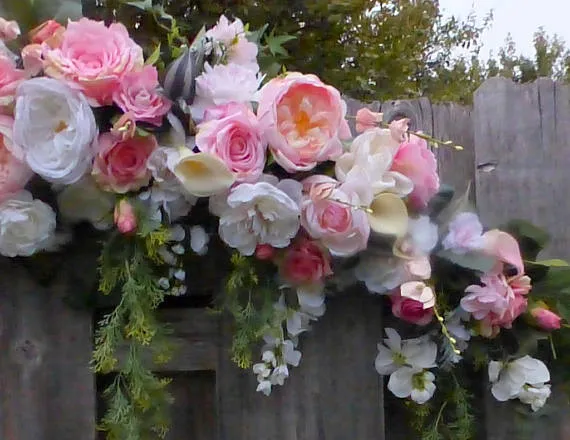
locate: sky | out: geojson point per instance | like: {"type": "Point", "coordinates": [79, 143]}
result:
{"type": "Point", "coordinates": [519, 17]}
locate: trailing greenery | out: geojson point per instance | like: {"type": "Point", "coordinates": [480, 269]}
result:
{"type": "Point", "coordinates": [137, 400]}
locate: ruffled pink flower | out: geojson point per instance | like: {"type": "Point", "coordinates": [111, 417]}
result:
{"type": "Point", "coordinates": [138, 95]}
{"type": "Point", "coordinates": [410, 310]}
{"type": "Point", "coordinates": [14, 174]}
{"type": "Point", "coordinates": [9, 30]}
{"type": "Point", "coordinates": [303, 121]}
{"type": "Point", "coordinates": [49, 32]}
{"type": "Point", "coordinates": [121, 165]}
{"type": "Point", "coordinates": [94, 58]}
{"type": "Point", "coordinates": [366, 119]}
{"type": "Point", "coordinates": [305, 262]}
{"type": "Point", "coordinates": [32, 59]}
{"type": "Point", "coordinates": [546, 319]}
{"type": "Point", "coordinates": [465, 234]}
{"type": "Point", "coordinates": [341, 228]}
{"type": "Point", "coordinates": [415, 161]}
{"type": "Point", "coordinates": [10, 77]}
{"type": "Point", "coordinates": [232, 133]}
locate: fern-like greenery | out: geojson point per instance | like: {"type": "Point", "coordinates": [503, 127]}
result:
{"type": "Point", "coordinates": [137, 400]}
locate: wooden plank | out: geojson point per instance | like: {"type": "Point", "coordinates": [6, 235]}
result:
{"type": "Point", "coordinates": [194, 409]}
{"type": "Point", "coordinates": [524, 129]}
{"type": "Point", "coordinates": [47, 387]}
{"type": "Point", "coordinates": [335, 394]}
{"type": "Point", "coordinates": [195, 338]}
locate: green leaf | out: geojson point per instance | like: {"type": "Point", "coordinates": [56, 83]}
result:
{"type": "Point", "coordinates": [456, 206]}
{"type": "Point", "coordinates": [477, 262]}
{"type": "Point", "coordinates": [255, 36]}
{"type": "Point", "coordinates": [154, 56]}
{"type": "Point", "coordinates": [145, 5]}
{"type": "Point", "coordinates": [549, 263]}
{"type": "Point", "coordinates": [531, 238]}
{"type": "Point", "coordinates": [275, 44]}
{"type": "Point", "coordinates": [161, 13]}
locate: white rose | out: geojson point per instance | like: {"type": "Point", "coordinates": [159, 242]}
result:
{"type": "Point", "coordinates": [54, 130]}
{"type": "Point", "coordinates": [26, 225]}
{"type": "Point", "coordinates": [222, 84]}
{"type": "Point", "coordinates": [259, 213]}
{"type": "Point", "coordinates": [372, 154]}
{"type": "Point", "coordinates": [84, 201]}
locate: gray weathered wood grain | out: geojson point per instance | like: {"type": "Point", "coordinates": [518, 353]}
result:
{"type": "Point", "coordinates": [46, 387]}
{"type": "Point", "coordinates": [335, 394]}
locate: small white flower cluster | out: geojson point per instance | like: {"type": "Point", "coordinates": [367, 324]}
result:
{"type": "Point", "coordinates": [277, 355]}
{"type": "Point", "coordinates": [407, 362]}
{"type": "Point", "coordinates": [524, 379]}
{"type": "Point", "coordinates": [171, 254]}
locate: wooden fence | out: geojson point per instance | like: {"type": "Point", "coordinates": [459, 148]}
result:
{"type": "Point", "coordinates": [47, 391]}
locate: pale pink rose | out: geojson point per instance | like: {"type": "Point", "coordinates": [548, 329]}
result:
{"type": "Point", "coordinates": [499, 301]}
{"type": "Point", "coordinates": [9, 30]}
{"type": "Point", "coordinates": [125, 217]}
{"type": "Point", "coordinates": [303, 120]}
{"type": "Point", "coordinates": [138, 95]}
{"type": "Point", "coordinates": [32, 59]}
{"type": "Point", "coordinates": [343, 229]}
{"type": "Point", "coordinates": [366, 119]}
{"type": "Point", "coordinates": [419, 267]}
{"type": "Point", "coordinates": [14, 174]}
{"type": "Point", "coordinates": [10, 78]}
{"type": "Point", "coordinates": [465, 234]}
{"type": "Point", "coordinates": [410, 310]}
{"type": "Point", "coordinates": [546, 319]}
{"type": "Point", "coordinates": [48, 32]}
{"type": "Point", "coordinates": [94, 58]}
{"type": "Point", "coordinates": [399, 128]}
{"type": "Point", "coordinates": [121, 165]}
{"type": "Point", "coordinates": [415, 161]}
{"type": "Point", "coordinates": [264, 252]}
{"type": "Point", "coordinates": [236, 47]}
{"type": "Point", "coordinates": [232, 133]}
{"type": "Point", "coordinates": [305, 262]}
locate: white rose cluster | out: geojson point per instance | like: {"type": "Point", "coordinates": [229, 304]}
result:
{"type": "Point", "coordinates": [26, 226]}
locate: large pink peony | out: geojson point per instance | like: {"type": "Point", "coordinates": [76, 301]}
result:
{"type": "Point", "coordinates": [121, 165]}
{"type": "Point", "coordinates": [138, 95]}
{"type": "Point", "coordinates": [303, 120]}
{"type": "Point", "coordinates": [328, 214]}
{"type": "Point", "coordinates": [415, 161]}
{"type": "Point", "coordinates": [232, 133]}
{"type": "Point", "coordinates": [94, 58]}
{"type": "Point", "coordinates": [10, 77]}
{"type": "Point", "coordinates": [14, 174]}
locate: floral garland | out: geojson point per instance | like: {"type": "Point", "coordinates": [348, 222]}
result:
{"type": "Point", "coordinates": [304, 208]}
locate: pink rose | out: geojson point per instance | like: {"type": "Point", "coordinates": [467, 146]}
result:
{"type": "Point", "coordinates": [415, 161]}
{"type": "Point", "coordinates": [14, 174]}
{"type": "Point", "coordinates": [303, 121]}
{"type": "Point", "coordinates": [125, 217]}
{"type": "Point", "coordinates": [138, 96]}
{"type": "Point", "coordinates": [499, 301]}
{"type": "Point", "coordinates": [232, 133]}
{"type": "Point", "coordinates": [10, 77]}
{"type": "Point", "coordinates": [121, 165]}
{"type": "Point", "coordinates": [546, 319]}
{"type": "Point", "coordinates": [410, 310]}
{"type": "Point", "coordinates": [465, 234]}
{"type": "Point", "coordinates": [366, 119]}
{"type": "Point", "coordinates": [49, 32]}
{"type": "Point", "coordinates": [305, 262]}
{"type": "Point", "coordinates": [341, 228]}
{"type": "Point", "coordinates": [9, 30]}
{"type": "Point", "coordinates": [94, 58]}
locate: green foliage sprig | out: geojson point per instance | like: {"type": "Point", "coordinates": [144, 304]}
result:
{"type": "Point", "coordinates": [137, 400]}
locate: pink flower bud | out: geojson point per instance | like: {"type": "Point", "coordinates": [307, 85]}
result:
{"type": "Point", "coordinates": [125, 217]}
{"type": "Point", "coordinates": [546, 319]}
{"type": "Point", "coordinates": [264, 252]}
{"type": "Point", "coordinates": [48, 32]}
{"type": "Point", "coordinates": [9, 30]}
{"type": "Point", "coordinates": [367, 119]}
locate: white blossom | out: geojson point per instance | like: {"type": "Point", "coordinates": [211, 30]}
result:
{"type": "Point", "coordinates": [394, 353]}
{"type": "Point", "coordinates": [415, 383]}
{"type": "Point", "coordinates": [465, 234]}
{"type": "Point", "coordinates": [535, 396]}
{"type": "Point", "coordinates": [199, 240]}
{"type": "Point", "coordinates": [26, 225]}
{"type": "Point", "coordinates": [54, 130]}
{"type": "Point", "coordinates": [509, 379]}
{"type": "Point", "coordinates": [259, 213]}
{"type": "Point", "coordinates": [264, 387]}
{"type": "Point", "coordinates": [422, 234]}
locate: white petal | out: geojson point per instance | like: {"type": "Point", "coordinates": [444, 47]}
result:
{"type": "Point", "coordinates": [199, 240]}
{"type": "Point", "coordinates": [535, 370]}
{"type": "Point", "coordinates": [394, 341]}
{"type": "Point", "coordinates": [494, 370]}
{"type": "Point", "coordinates": [420, 353]}
{"type": "Point", "coordinates": [400, 382]}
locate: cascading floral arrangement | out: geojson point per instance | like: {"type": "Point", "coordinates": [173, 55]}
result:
{"type": "Point", "coordinates": [269, 168]}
